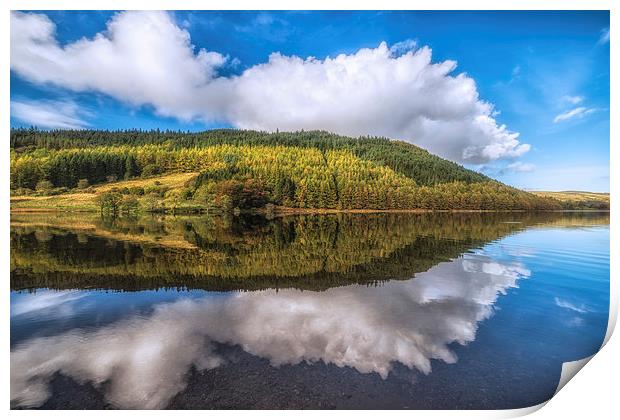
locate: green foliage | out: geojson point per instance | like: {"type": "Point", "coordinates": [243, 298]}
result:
{"type": "Point", "coordinates": [129, 206]}
{"type": "Point", "coordinates": [44, 186]}
{"type": "Point", "coordinates": [248, 169]}
{"type": "Point", "coordinates": [26, 172]}
{"type": "Point", "coordinates": [156, 189]}
{"type": "Point", "coordinates": [149, 170]}
{"type": "Point", "coordinates": [131, 168]}
{"type": "Point", "coordinates": [248, 194]}
{"type": "Point", "coordinates": [23, 191]}
{"type": "Point", "coordinates": [110, 203]}
{"type": "Point", "coordinates": [83, 183]}
{"type": "Point", "coordinates": [150, 202]}
{"type": "Point", "coordinates": [402, 157]}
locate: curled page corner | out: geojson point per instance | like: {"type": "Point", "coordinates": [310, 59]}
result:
{"type": "Point", "coordinates": [613, 315]}
{"type": "Point", "coordinates": [570, 369]}
{"type": "Point", "coordinates": [520, 412]}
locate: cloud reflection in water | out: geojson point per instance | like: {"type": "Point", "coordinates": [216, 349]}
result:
{"type": "Point", "coordinates": [145, 358]}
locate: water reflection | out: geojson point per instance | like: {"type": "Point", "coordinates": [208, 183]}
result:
{"type": "Point", "coordinates": [370, 293]}
{"type": "Point", "coordinates": [307, 252]}
{"type": "Point", "coordinates": [46, 303]}
{"type": "Point", "coordinates": [144, 359]}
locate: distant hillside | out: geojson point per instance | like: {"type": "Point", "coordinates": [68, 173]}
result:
{"type": "Point", "coordinates": [239, 169]}
{"type": "Point", "coordinates": [404, 158]}
{"type": "Point", "coordinates": [578, 199]}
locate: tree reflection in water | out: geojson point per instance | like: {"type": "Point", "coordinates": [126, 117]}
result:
{"type": "Point", "coordinates": [282, 304]}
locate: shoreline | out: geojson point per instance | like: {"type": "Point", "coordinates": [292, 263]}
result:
{"type": "Point", "coordinates": [292, 211]}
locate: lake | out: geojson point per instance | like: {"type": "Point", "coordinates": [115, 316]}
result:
{"type": "Point", "coordinates": [418, 311]}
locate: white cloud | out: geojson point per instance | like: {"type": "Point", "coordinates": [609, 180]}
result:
{"type": "Point", "coordinates": [267, 26]}
{"type": "Point", "coordinates": [143, 360]}
{"type": "Point", "coordinates": [575, 322]}
{"type": "Point", "coordinates": [403, 47]}
{"type": "Point", "coordinates": [144, 58]}
{"type": "Point", "coordinates": [504, 168]}
{"type": "Point", "coordinates": [515, 75]}
{"type": "Point", "coordinates": [567, 305]}
{"type": "Point", "coordinates": [520, 167]}
{"type": "Point", "coordinates": [604, 38]}
{"type": "Point", "coordinates": [48, 114]}
{"type": "Point", "coordinates": [264, 19]}
{"type": "Point", "coordinates": [578, 112]}
{"type": "Point", "coordinates": [573, 99]}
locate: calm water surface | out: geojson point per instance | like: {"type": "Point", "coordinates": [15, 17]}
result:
{"type": "Point", "coordinates": [339, 311]}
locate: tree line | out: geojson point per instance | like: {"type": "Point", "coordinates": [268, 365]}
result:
{"type": "Point", "coordinates": [404, 158]}
{"type": "Point", "coordinates": [249, 176]}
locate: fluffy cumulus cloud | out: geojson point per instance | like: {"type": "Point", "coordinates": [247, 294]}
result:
{"type": "Point", "coordinates": [142, 58]}
{"type": "Point", "coordinates": [143, 360]}
{"type": "Point", "coordinates": [145, 58]}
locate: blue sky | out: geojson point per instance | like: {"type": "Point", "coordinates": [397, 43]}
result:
{"type": "Point", "coordinates": [544, 75]}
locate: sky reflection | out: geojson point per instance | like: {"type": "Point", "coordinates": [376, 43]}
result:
{"type": "Point", "coordinates": [145, 356]}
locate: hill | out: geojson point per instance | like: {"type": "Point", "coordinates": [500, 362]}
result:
{"type": "Point", "coordinates": [402, 157]}
{"type": "Point", "coordinates": [248, 169]}
{"type": "Point", "coordinates": [578, 199]}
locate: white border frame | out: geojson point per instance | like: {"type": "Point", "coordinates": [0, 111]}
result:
{"type": "Point", "coordinates": [595, 386]}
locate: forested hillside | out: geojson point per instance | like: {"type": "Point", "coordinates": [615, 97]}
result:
{"type": "Point", "coordinates": [248, 169]}
{"type": "Point", "coordinates": [403, 158]}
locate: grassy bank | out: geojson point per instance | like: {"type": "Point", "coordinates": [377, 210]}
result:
{"type": "Point", "coordinates": [578, 199]}
{"type": "Point", "coordinates": [88, 199]}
